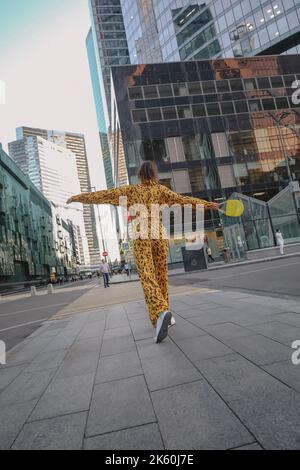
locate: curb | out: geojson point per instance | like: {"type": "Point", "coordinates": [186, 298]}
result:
{"type": "Point", "coordinates": [226, 266]}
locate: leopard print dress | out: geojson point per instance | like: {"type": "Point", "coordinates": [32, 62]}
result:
{"type": "Point", "coordinates": [151, 252]}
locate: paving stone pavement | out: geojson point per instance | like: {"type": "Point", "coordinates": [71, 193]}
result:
{"type": "Point", "coordinates": [223, 379]}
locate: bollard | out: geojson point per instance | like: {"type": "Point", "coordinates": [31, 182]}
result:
{"type": "Point", "coordinates": [50, 289]}
{"type": "Point", "coordinates": [33, 291]}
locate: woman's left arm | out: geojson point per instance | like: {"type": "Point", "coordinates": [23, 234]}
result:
{"type": "Point", "coordinates": [170, 197]}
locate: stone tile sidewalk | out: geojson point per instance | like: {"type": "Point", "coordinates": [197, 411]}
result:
{"type": "Point", "coordinates": [222, 380]}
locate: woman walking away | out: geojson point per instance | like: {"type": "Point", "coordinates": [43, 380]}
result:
{"type": "Point", "coordinates": [280, 241]}
{"type": "Point", "coordinates": [151, 254]}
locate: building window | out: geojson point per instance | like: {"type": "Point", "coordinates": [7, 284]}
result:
{"type": "Point", "coordinates": [236, 84]}
{"type": "Point", "coordinates": [169, 113]}
{"type": "Point", "coordinates": [135, 93]}
{"type": "Point", "coordinates": [184, 112]}
{"type": "Point", "coordinates": [250, 84]}
{"type": "Point", "coordinates": [213, 109]}
{"type": "Point", "coordinates": [150, 91]}
{"type": "Point", "coordinates": [165, 90]}
{"type": "Point", "coordinates": [227, 108]}
{"type": "Point", "coordinates": [139, 115]}
{"type": "Point", "coordinates": [195, 88]}
{"type": "Point", "coordinates": [154, 114]}
{"type": "Point", "coordinates": [179, 89]}
{"type": "Point", "coordinates": [254, 106]}
{"type": "Point", "coordinates": [282, 103]}
{"type": "Point", "coordinates": [209, 87]}
{"type": "Point", "coordinates": [222, 86]}
{"type": "Point", "coordinates": [241, 107]}
{"type": "Point", "coordinates": [154, 150]}
{"type": "Point", "coordinates": [263, 83]}
{"type": "Point", "coordinates": [220, 146]}
{"type": "Point", "coordinates": [277, 82]}
{"type": "Point", "coordinates": [289, 80]}
{"type": "Point", "coordinates": [199, 110]}
{"type": "Point", "coordinates": [268, 104]}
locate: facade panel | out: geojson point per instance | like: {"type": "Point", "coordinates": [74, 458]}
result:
{"type": "Point", "coordinates": [213, 136]}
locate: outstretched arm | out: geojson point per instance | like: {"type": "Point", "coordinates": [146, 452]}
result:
{"type": "Point", "coordinates": [170, 197]}
{"type": "Point", "coordinates": [107, 196]}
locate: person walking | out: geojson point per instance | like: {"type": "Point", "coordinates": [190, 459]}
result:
{"type": "Point", "coordinates": [209, 254]}
{"type": "Point", "coordinates": [104, 270]}
{"type": "Point", "coordinates": [280, 241]}
{"type": "Point", "coordinates": [151, 253]}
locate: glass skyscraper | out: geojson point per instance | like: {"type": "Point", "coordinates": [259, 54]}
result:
{"type": "Point", "coordinates": [216, 128]}
{"type": "Point", "coordinates": [189, 30]}
{"type": "Point", "coordinates": [99, 99]}
{"type": "Point", "coordinates": [75, 143]}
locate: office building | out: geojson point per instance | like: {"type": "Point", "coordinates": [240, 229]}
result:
{"type": "Point", "coordinates": [215, 128]}
{"type": "Point", "coordinates": [53, 170]}
{"type": "Point", "coordinates": [29, 245]}
{"type": "Point", "coordinates": [75, 143]}
{"type": "Point", "coordinates": [174, 30]}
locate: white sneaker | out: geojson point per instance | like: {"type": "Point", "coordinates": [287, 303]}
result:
{"type": "Point", "coordinates": [173, 322]}
{"type": "Point", "coordinates": [162, 325]}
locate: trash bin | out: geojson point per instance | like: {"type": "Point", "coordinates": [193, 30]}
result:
{"type": "Point", "coordinates": [194, 260]}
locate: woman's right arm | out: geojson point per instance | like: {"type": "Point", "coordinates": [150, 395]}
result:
{"type": "Point", "coordinates": [107, 196]}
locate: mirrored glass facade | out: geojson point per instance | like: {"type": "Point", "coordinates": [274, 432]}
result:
{"type": "Point", "coordinates": [193, 29]}
{"type": "Point", "coordinates": [214, 127]}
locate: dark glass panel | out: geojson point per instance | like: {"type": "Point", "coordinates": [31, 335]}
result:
{"type": "Point", "coordinates": [213, 109]}
{"type": "Point", "coordinates": [179, 89]}
{"type": "Point", "coordinates": [194, 88]}
{"type": "Point", "coordinates": [150, 91]}
{"type": "Point", "coordinates": [199, 110]}
{"type": "Point", "coordinates": [282, 103]}
{"type": "Point", "coordinates": [227, 108]}
{"type": "Point", "coordinates": [263, 83]}
{"type": "Point", "coordinates": [236, 84]}
{"type": "Point", "coordinates": [169, 113]}
{"type": "Point", "coordinates": [222, 86]}
{"type": "Point", "coordinates": [268, 104]}
{"type": "Point", "coordinates": [209, 87]}
{"type": "Point", "coordinates": [184, 112]}
{"type": "Point", "coordinates": [165, 90]}
{"type": "Point", "coordinates": [250, 84]}
{"type": "Point", "coordinates": [135, 93]}
{"type": "Point", "coordinates": [139, 115]}
{"type": "Point", "coordinates": [154, 114]}
{"type": "Point", "coordinates": [277, 82]}
{"type": "Point", "coordinates": [254, 105]}
{"type": "Point", "coordinates": [241, 107]}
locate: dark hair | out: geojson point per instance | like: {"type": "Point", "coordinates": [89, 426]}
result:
{"type": "Point", "coordinates": [148, 171]}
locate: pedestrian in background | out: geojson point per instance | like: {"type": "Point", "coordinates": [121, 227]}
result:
{"type": "Point", "coordinates": [104, 270]}
{"type": "Point", "coordinates": [280, 241]}
{"type": "Point", "coordinates": [209, 254]}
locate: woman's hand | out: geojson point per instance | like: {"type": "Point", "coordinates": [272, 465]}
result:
{"type": "Point", "coordinates": [215, 206]}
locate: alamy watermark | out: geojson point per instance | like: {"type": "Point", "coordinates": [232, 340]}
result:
{"type": "Point", "coordinates": [2, 92]}
{"type": "Point", "coordinates": [296, 354]}
{"type": "Point", "coordinates": [2, 353]}
{"type": "Point", "coordinates": [296, 94]}
{"type": "Point", "coordinates": [155, 221]}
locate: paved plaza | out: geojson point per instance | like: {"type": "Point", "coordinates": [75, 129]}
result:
{"type": "Point", "coordinates": [223, 379]}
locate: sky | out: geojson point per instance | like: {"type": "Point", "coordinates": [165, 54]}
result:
{"type": "Point", "coordinates": [44, 65]}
